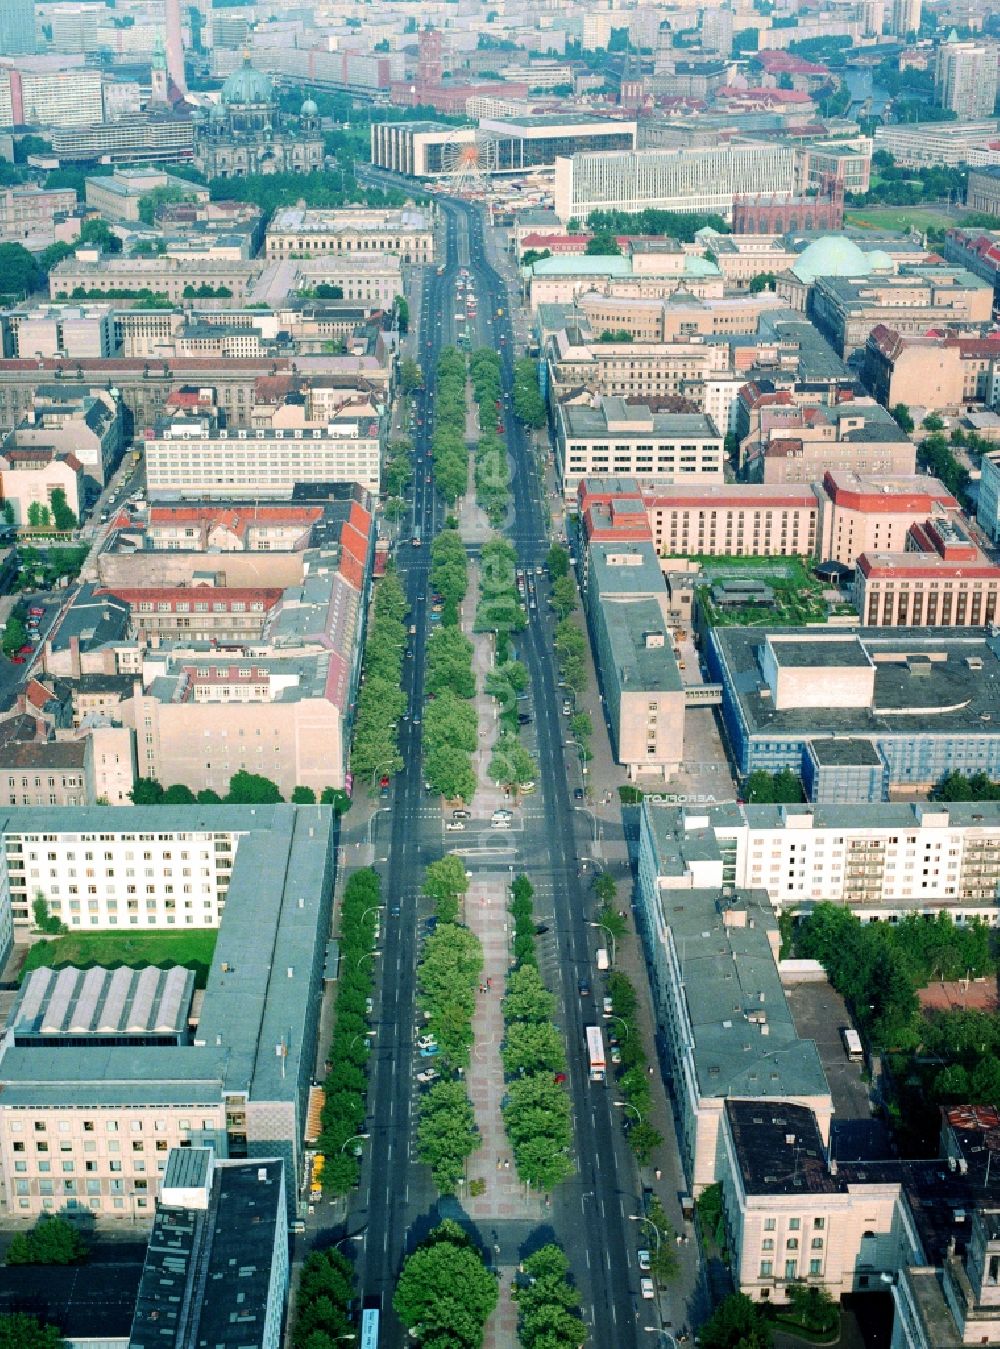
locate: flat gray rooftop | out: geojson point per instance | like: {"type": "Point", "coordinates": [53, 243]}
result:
{"type": "Point", "coordinates": [957, 691]}
{"type": "Point", "coordinates": [845, 752]}
{"type": "Point", "coordinates": [846, 652]}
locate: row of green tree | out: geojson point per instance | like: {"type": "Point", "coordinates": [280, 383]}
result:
{"type": "Point", "coordinates": [445, 1294]}
{"type": "Point", "coordinates": [956, 787]}
{"type": "Point", "coordinates": [548, 1304]}
{"type": "Point", "coordinates": [501, 612]}
{"type": "Point", "coordinates": [345, 1088]}
{"type": "Point", "coordinates": [448, 448]}
{"type": "Point", "coordinates": [570, 643]}
{"type": "Point", "coordinates": [398, 473]}
{"type": "Point", "coordinates": [529, 406]}
{"type": "Point", "coordinates": [680, 225]}
{"type": "Point", "coordinates": [633, 1070]}
{"type": "Point", "coordinates": [272, 191]}
{"type": "Point", "coordinates": [449, 574]}
{"type": "Point", "coordinates": [935, 455]}
{"type": "Point", "coordinates": [323, 1301]}
{"type": "Point", "coordinates": [381, 701]}
{"type": "Point", "coordinates": [537, 1113]}
{"type": "Point", "coordinates": [57, 515]}
{"type": "Point", "coordinates": [245, 789]}
{"type": "Point", "coordinates": [447, 975]}
{"type": "Point", "coordinates": [499, 609]}
{"type": "Point", "coordinates": [492, 468]}
{"type": "Point", "coordinates": [781, 788]}
{"type": "Point", "coordinates": [450, 723]}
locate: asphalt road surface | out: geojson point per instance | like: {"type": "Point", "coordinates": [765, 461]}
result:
{"type": "Point", "coordinates": [396, 1202]}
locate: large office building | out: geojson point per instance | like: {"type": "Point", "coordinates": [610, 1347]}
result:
{"type": "Point", "coordinates": [418, 149]}
{"type": "Point", "coordinates": [940, 577]}
{"type": "Point", "coordinates": [175, 278]}
{"type": "Point", "coordinates": [193, 457]}
{"type": "Point", "coordinates": [17, 28]}
{"type": "Point", "coordinates": [616, 438]}
{"type": "Point", "coordinates": [150, 138]}
{"type": "Point", "coordinates": [881, 861]}
{"type": "Point", "coordinates": [56, 98]}
{"type": "Point", "coordinates": [105, 1071]}
{"type": "Point", "coordinates": [521, 144]}
{"type": "Point", "coordinates": [861, 716]}
{"type": "Point", "coordinates": [719, 1005]}
{"type": "Point", "coordinates": [671, 180]}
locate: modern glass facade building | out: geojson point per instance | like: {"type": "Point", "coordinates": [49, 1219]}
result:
{"type": "Point", "coordinates": [17, 28]}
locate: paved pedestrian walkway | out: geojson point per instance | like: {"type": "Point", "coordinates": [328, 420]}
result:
{"type": "Point", "coordinates": [487, 916]}
{"type": "Point", "coordinates": [501, 1328]}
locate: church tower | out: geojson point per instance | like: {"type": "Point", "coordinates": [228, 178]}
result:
{"type": "Point", "coordinates": [159, 97]}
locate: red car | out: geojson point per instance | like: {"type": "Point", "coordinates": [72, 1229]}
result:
{"type": "Point", "coordinates": [36, 612]}
{"type": "Point", "coordinates": [26, 650]}
{"type": "Point", "coordinates": [384, 780]}
{"type": "Point", "coordinates": [559, 1078]}
{"type": "Point", "coordinates": [17, 660]}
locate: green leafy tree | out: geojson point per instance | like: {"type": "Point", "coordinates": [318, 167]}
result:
{"type": "Point", "coordinates": [15, 635]}
{"type": "Point", "coordinates": [178, 795]}
{"type": "Point", "coordinates": [901, 416]}
{"type": "Point", "coordinates": [99, 234]}
{"type": "Point", "coordinates": [814, 1308]}
{"type": "Point", "coordinates": [206, 797]}
{"type": "Point", "coordinates": [251, 789]}
{"type": "Point", "coordinates": [547, 1302]}
{"type": "Point", "coordinates": [557, 561]}
{"type": "Point", "coordinates": [402, 308]}
{"type": "Point", "coordinates": [736, 1323]}
{"type": "Point", "coordinates": [19, 1330]}
{"type": "Point", "coordinates": [449, 771]}
{"type": "Point", "coordinates": [763, 281]}
{"type": "Point", "coordinates": [446, 883]}
{"type": "Point", "coordinates": [19, 272]}
{"type": "Point", "coordinates": [62, 515]}
{"type": "Point", "coordinates": [527, 998]}
{"type": "Point", "coordinates": [445, 1290]}
{"type": "Point", "coordinates": [146, 792]}
{"type": "Point", "coordinates": [411, 376]}
{"type": "Point", "coordinates": [533, 1047]}
{"type": "Point", "coordinates": [932, 422]}
{"type": "Point", "coordinates": [54, 1241]}
{"type": "Point", "coordinates": [303, 796]}
{"type": "Point", "coordinates": [603, 245]}
{"type": "Point", "coordinates": [447, 1133]}
{"type": "Point", "coordinates": [564, 596]}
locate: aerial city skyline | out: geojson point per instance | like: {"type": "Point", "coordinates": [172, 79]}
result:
{"type": "Point", "coordinates": [499, 674]}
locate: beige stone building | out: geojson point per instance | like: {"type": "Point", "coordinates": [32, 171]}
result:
{"type": "Point", "coordinates": [29, 212]}
{"type": "Point", "coordinates": [741, 257]}
{"type": "Point", "coordinates": [297, 232]}
{"type": "Point", "coordinates": [629, 369]}
{"type": "Point", "coordinates": [790, 443]}
{"type": "Point", "coordinates": [847, 309]}
{"type": "Point", "coordinates": [748, 519]}
{"type": "Point", "coordinates": [941, 373]}
{"type": "Point", "coordinates": [941, 579]}
{"type": "Point", "coordinates": [29, 476]}
{"type": "Point", "coordinates": [197, 613]}
{"type": "Point", "coordinates": [90, 271]}
{"type": "Point", "coordinates": [118, 196]}
{"type": "Point", "coordinates": [863, 513]}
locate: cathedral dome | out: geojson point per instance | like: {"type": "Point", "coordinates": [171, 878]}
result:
{"type": "Point", "coordinates": [247, 86]}
{"type": "Point", "coordinates": [309, 109]}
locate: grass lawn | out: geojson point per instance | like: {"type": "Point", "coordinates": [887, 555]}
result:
{"type": "Point", "coordinates": [901, 218]}
{"type": "Point", "coordinates": [193, 949]}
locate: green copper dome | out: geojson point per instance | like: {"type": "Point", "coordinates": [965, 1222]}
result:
{"type": "Point", "coordinates": [309, 109]}
{"type": "Point", "coordinates": [247, 86]}
{"type": "Point", "coordinates": [831, 256]}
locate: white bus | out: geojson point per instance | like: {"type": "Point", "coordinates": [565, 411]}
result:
{"type": "Point", "coordinates": [852, 1044]}
{"type": "Point", "coordinates": [595, 1053]}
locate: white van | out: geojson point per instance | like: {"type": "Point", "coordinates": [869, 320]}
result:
{"type": "Point", "coordinates": [603, 962]}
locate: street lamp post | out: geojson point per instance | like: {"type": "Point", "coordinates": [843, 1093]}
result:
{"type": "Point", "coordinates": [658, 1330]}
{"type": "Point", "coordinates": [368, 955]}
{"type": "Point", "coordinates": [623, 1022]}
{"type": "Point", "coordinates": [627, 1105]}
{"type": "Point", "coordinates": [374, 908]}
{"type": "Point", "coordinates": [611, 936]}
{"type": "Point", "coordinates": [368, 1035]}
{"type": "Point", "coordinates": [352, 1139]}
{"type": "Point", "coordinates": [640, 1218]}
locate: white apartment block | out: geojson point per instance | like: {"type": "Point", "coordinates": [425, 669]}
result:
{"type": "Point", "coordinates": [619, 439]}
{"type": "Point", "coordinates": [670, 180]}
{"type": "Point", "coordinates": [883, 861]}
{"type": "Point", "coordinates": [124, 879]}
{"type": "Point", "coordinates": [196, 461]}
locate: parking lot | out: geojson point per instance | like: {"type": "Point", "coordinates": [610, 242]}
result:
{"type": "Point", "coordinates": [819, 1012]}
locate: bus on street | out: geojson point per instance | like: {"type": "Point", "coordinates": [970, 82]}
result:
{"type": "Point", "coordinates": [595, 1053]}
